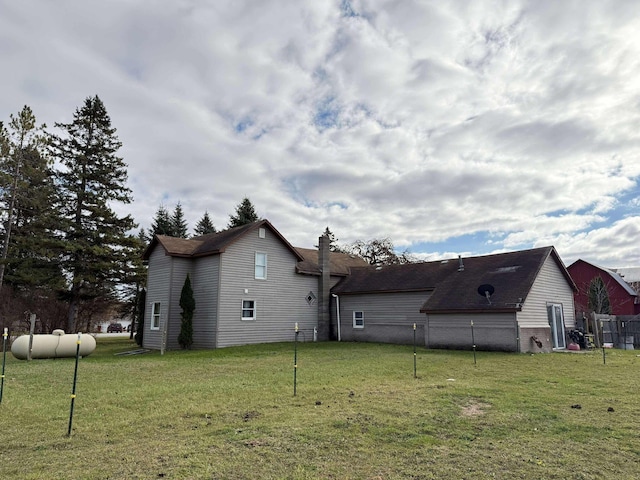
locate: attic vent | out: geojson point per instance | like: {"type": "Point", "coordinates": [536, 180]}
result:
{"type": "Point", "coordinates": [310, 298]}
{"type": "Point", "coordinates": [506, 269]}
{"type": "Point", "coordinates": [261, 232]}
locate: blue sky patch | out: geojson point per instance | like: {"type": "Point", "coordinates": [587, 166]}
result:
{"type": "Point", "coordinates": [327, 113]}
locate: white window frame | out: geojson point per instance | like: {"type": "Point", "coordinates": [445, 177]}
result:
{"type": "Point", "coordinates": [246, 309]}
{"type": "Point", "coordinates": [258, 265]}
{"type": "Point", "coordinates": [358, 316]}
{"type": "Point", "coordinates": [155, 316]}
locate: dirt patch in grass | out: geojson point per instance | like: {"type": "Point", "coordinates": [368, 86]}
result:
{"type": "Point", "coordinates": [474, 409]}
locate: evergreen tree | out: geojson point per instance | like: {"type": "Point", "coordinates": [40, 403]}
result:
{"type": "Point", "coordinates": [134, 282]}
{"type": "Point", "coordinates": [161, 224]}
{"type": "Point", "coordinates": [333, 246]}
{"type": "Point", "coordinates": [245, 213]}
{"type": "Point", "coordinates": [34, 249]}
{"type": "Point", "coordinates": [188, 305]}
{"type": "Point", "coordinates": [26, 195]}
{"type": "Point", "coordinates": [142, 303]}
{"type": "Point", "coordinates": [204, 226]}
{"type": "Point", "coordinates": [98, 247]}
{"type": "Point", "coordinates": [178, 223]}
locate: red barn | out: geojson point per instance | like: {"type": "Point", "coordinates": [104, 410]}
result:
{"type": "Point", "coordinates": [623, 298]}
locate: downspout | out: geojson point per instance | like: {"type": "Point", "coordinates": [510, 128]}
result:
{"type": "Point", "coordinates": [337, 313]}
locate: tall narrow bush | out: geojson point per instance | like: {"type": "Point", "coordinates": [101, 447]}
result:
{"type": "Point", "coordinates": [188, 305]}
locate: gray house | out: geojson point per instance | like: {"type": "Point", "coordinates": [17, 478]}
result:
{"type": "Point", "coordinates": [518, 301]}
{"type": "Point", "coordinates": [252, 286]}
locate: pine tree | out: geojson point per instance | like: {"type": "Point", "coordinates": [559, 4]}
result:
{"type": "Point", "coordinates": [188, 305]}
{"type": "Point", "coordinates": [161, 224]}
{"type": "Point", "coordinates": [34, 249]}
{"type": "Point", "coordinates": [134, 282]}
{"type": "Point", "coordinates": [26, 194]}
{"type": "Point", "coordinates": [178, 223]}
{"type": "Point", "coordinates": [98, 247]}
{"type": "Point", "coordinates": [245, 213]}
{"type": "Point", "coordinates": [204, 226]}
{"type": "Point", "coordinates": [333, 247]}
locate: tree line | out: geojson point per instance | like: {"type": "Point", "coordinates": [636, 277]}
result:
{"type": "Point", "coordinates": [64, 248]}
{"type": "Point", "coordinates": [174, 224]}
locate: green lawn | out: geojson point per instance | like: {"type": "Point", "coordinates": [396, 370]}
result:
{"type": "Point", "coordinates": [359, 413]}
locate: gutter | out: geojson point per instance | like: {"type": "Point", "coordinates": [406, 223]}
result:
{"type": "Point", "coordinates": [337, 313]}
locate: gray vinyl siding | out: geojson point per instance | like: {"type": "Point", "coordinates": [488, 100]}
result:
{"type": "Point", "coordinates": [388, 317]}
{"type": "Point", "coordinates": [279, 299]}
{"type": "Point", "coordinates": [491, 331]}
{"type": "Point", "coordinates": [549, 287]}
{"type": "Point", "coordinates": [205, 283]}
{"type": "Point", "coordinates": [158, 288]}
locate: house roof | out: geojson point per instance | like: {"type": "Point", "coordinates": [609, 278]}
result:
{"type": "Point", "coordinates": [340, 264]}
{"type": "Point", "coordinates": [614, 276]}
{"type": "Point", "coordinates": [212, 243]}
{"type": "Point", "coordinates": [215, 243]}
{"type": "Point", "coordinates": [454, 289]}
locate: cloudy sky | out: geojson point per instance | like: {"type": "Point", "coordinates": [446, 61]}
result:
{"type": "Point", "coordinates": [449, 128]}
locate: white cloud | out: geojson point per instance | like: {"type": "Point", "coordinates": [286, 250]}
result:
{"type": "Point", "coordinates": [418, 121]}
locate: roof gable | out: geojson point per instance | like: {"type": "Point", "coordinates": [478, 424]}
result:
{"type": "Point", "coordinates": [616, 277]}
{"type": "Point", "coordinates": [212, 243]}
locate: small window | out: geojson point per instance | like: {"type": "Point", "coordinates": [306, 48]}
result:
{"type": "Point", "coordinates": [248, 310]}
{"type": "Point", "coordinates": [310, 298]}
{"type": "Point", "coordinates": [155, 316]}
{"type": "Point", "coordinates": [261, 266]}
{"type": "Point", "coordinates": [358, 319]}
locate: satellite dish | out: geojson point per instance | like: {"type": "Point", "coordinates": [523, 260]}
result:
{"type": "Point", "coordinates": [486, 290]}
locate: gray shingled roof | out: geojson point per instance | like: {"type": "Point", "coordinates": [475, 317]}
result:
{"type": "Point", "coordinates": [511, 274]}
{"type": "Point", "coordinates": [339, 263]}
{"type": "Point", "coordinates": [214, 243]}
{"type": "Point", "coordinates": [211, 243]}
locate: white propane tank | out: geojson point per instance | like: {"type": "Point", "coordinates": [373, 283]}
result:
{"type": "Point", "coordinates": [54, 345]}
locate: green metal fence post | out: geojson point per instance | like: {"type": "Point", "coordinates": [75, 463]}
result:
{"type": "Point", "coordinates": [4, 360]}
{"type": "Point", "coordinates": [415, 372]}
{"type": "Point", "coordinates": [473, 341]}
{"type": "Point", "coordinates": [295, 361]}
{"type": "Point", "coordinates": [75, 381]}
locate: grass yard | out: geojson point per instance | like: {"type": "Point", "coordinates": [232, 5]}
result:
{"type": "Point", "coordinates": [358, 414]}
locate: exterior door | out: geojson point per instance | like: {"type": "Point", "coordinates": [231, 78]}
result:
{"type": "Point", "coordinates": [556, 320]}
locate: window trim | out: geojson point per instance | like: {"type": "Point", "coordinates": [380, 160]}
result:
{"type": "Point", "coordinates": [155, 315]}
{"type": "Point", "coordinates": [355, 324]}
{"type": "Point", "coordinates": [258, 265]}
{"type": "Point", "coordinates": [243, 309]}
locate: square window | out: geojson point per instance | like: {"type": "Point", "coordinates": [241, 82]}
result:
{"type": "Point", "coordinates": [261, 266]}
{"type": "Point", "coordinates": [248, 310]}
{"type": "Point", "coordinates": [155, 316]}
{"type": "Point", "coordinates": [358, 319]}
